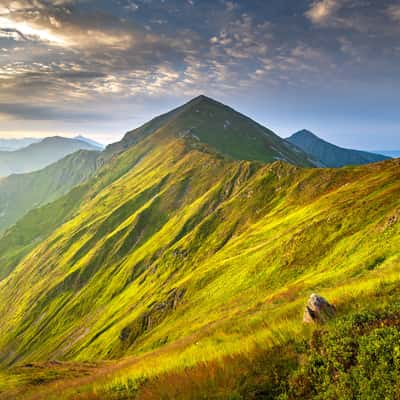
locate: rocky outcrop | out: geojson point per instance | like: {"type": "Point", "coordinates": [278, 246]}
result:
{"type": "Point", "coordinates": [151, 318]}
{"type": "Point", "coordinates": [318, 310]}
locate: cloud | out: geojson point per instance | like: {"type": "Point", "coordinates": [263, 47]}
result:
{"type": "Point", "coordinates": [241, 39]}
{"type": "Point", "coordinates": [53, 31]}
{"type": "Point", "coordinates": [27, 31]}
{"type": "Point", "coordinates": [322, 11]}
{"type": "Point", "coordinates": [394, 12]}
{"type": "Point", "coordinates": [18, 111]}
{"type": "Point", "coordinates": [131, 6]}
{"type": "Point", "coordinates": [231, 6]}
{"type": "Point", "coordinates": [104, 54]}
{"type": "Point", "coordinates": [56, 23]}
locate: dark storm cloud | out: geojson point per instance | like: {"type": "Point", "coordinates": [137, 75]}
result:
{"type": "Point", "coordinates": [69, 54]}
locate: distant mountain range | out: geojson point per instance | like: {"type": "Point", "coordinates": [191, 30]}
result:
{"type": "Point", "coordinates": [329, 155]}
{"type": "Point", "coordinates": [19, 193]}
{"type": "Point", "coordinates": [92, 142]}
{"type": "Point", "coordinates": [13, 144]}
{"type": "Point", "coordinates": [40, 154]}
{"type": "Point", "coordinates": [389, 153]}
{"type": "Point", "coordinates": [16, 144]}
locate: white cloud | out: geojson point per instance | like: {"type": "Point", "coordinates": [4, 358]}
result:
{"type": "Point", "coordinates": [55, 22]}
{"type": "Point", "coordinates": [28, 30]}
{"type": "Point", "coordinates": [322, 11]}
{"type": "Point", "coordinates": [231, 6]}
{"type": "Point", "coordinates": [394, 12]}
{"type": "Point", "coordinates": [241, 39]}
{"type": "Point", "coordinates": [131, 6]}
{"type": "Point", "coordinates": [48, 31]}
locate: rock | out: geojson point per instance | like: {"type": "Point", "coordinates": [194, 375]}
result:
{"type": "Point", "coordinates": [151, 318]}
{"type": "Point", "coordinates": [318, 310]}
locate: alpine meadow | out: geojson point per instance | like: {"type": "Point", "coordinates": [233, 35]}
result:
{"type": "Point", "coordinates": [201, 255]}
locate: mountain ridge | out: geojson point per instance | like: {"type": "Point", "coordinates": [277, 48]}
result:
{"type": "Point", "coordinates": [12, 144]}
{"type": "Point", "coordinates": [90, 141]}
{"type": "Point", "coordinates": [39, 155]}
{"type": "Point", "coordinates": [118, 221]}
{"type": "Point", "coordinates": [175, 256]}
{"type": "Point", "coordinates": [45, 185]}
{"type": "Point", "coordinates": [330, 155]}
{"type": "Point", "coordinates": [219, 126]}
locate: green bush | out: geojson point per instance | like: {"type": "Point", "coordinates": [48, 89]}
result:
{"type": "Point", "coordinates": [355, 358]}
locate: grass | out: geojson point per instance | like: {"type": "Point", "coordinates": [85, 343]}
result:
{"type": "Point", "coordinates": [245, 369]}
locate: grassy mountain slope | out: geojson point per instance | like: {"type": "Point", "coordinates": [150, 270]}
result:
{"type": "Point", "coordinates": [330, 155]}
{"type": "Point", "coordinates": [21, 193]}
{"type": "Point", "coordinates": [39, 155]}
{"type": "Point", "coordinates": [193, 250]}
{"type": "Point", "coordinates": [222, 128]}
{"type": "Point", "coordinates": [188, 269]}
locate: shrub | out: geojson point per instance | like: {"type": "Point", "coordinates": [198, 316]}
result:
{"type": "Point", "coordinates": [358, 357]}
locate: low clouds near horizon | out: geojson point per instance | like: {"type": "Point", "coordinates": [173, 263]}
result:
{"type": "Point", "coordinates": [102, 66]}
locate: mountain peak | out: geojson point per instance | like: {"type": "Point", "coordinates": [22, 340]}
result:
{"type": "Point", "coordinates": [330, 155]}
{"type": "Point", "coordinates": [201, 97]}
{"type": "Point", "coordinates": [202, 100]}
{"type": "Point", "coordinates": [54, 139]}
{"type": "Point", "coordinates": [89, 141]}
{"type": "Point", "coordinates": [305, 133]}
{"type": "Point", "coordinates": [206, 121]}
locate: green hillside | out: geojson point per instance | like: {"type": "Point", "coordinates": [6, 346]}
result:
{"type": "Point", "coordinates": [179, 272]}
{"type": "Point", "coordinates": [21, 193]}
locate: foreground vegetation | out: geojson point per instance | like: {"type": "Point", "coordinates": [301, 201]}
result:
{"type": "Point", "coordinates": [355, 355]}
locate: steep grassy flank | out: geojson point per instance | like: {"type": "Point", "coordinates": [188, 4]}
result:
{"type": "Point", "coordinates": [21, 193]}
{"type": "Point", "coordinates": [35, 227]}
{"type": "Point", "coordinates": [222, 128]}
{"type": "Point", "coordinates": [180, 261]}
{"type": "Point", "coordinates": [188, 244]}
{"type": "Point", "coordinates": [39, 223]}
{"type": "Point", "coordinates": [225, 276]}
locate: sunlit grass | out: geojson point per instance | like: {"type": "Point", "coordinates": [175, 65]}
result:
{"type": "Point", "coordinates": [245, 243]}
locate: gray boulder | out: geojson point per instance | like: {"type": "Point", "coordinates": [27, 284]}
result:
{"type": "Point", "coordinates": [318, 310]}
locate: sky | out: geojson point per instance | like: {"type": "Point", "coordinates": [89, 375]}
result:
{"type": "Point", "coordinates": [102, 67]}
